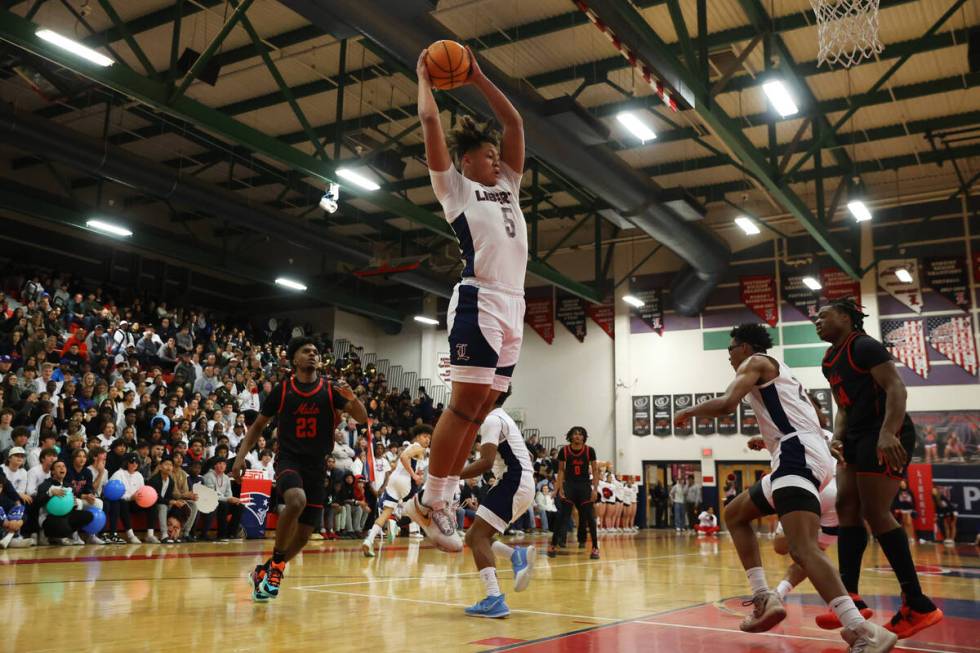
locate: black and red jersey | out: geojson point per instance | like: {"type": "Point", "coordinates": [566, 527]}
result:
{"type": "Point", "coordinates": [577, 463]}
{"type": "Point", "coordinates": [848, 369]}
{"type": "Point", "coordinates": [306, 415]}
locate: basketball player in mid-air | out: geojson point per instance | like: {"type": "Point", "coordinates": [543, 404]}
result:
{"type": "Point", "coordinates": [875, 437]}
{"type": "Point", "coordinates": [305, 406]}
{"type": "Point", "coordinates": [578, 486]}
{"type": "Point", "coordinates": [477, 180]}
{"type": "Point", "coordinates": [802, 466]}
{"type": "Point", "coordinates": [403, 482]}
{"type": "Point", "coordinates": [502, 448]}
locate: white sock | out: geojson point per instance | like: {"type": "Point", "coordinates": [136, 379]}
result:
{"type": "Point", "coordinates": [452, 487]}
{"type": "Point", "coordinates": [757, 580]}
{"type": "Point", "coordinates": [434, 491]}
{"type": "Point", "coordinates": [501, 550]}
{"type": "Point", "coordinates": [846, 611]}
{"type": "Point", "coordinates": [149, 532]}
{"type": "Point", "coordinates": [489, 577]}
{"type": "Point", "coordinates": [375, 531]}
{"type": "Point", "coordinates": [784, 588]}
{"type": "Point", "coordinates": [130, 533]}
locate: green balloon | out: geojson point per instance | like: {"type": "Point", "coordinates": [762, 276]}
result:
{"type": "Point", "coordinates": [61, 506]}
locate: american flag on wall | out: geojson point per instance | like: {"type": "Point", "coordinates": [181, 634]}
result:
{"type": "Point", "coordinates": [907, 342]}
{"type": "Point", "coordinates": [952, 336]}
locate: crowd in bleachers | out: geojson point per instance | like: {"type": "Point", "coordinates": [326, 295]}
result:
{"type": "Point", "coordinates": [101, 397]}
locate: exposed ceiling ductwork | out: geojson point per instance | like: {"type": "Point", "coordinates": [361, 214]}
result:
{"type": "Point", "coordinates": [404, 28]}
{"type": "Point", "coordinates": [94, 156]}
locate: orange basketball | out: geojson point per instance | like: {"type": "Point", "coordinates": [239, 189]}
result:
{"type": "Point", "coordinates": [448, 64]}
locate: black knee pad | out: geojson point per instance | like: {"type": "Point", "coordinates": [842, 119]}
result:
{"type": "Point", "coordinates": [792, 499]}
{"type": "Point", "coordinates": [310, 515]}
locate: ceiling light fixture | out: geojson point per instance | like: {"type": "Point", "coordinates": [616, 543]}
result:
{"type": "Point", "coordinates": [289, 283]}
{"type": "Point", "coordinates": [811, 283]}
{"type": "Point", "coordinates": [747, 225]}
{"type": "Point", "coordinates": [108, 228]}
{"type": "Point", "coordinates": [780, 98]}
{"type": "Point", "coordinates": [357, 178]}
{"type": "Point", "coordinates": [426, 320]}
{"type": "Point", "coordinates": [74, 47]}
{"type": "Point", "coordinates": [633, 301]}
{"type": "Point", "coordinates": [636, 126]}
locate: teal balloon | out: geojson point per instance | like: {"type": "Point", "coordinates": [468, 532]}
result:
{"type": "Point", "coordinates": [61, 506]}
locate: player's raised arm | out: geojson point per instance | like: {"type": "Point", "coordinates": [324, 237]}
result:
{"type": "Point", "coordinates": [353, 406]}
{"type": "Point", "coordinates": [436, 152]}
{"type": "Point", "coordinates": [512, 143]}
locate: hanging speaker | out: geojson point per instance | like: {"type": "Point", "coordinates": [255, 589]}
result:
{"type": "Point", "coordinates": [973, 50]}
{"type": "Point", "coordinates": [208, 74]}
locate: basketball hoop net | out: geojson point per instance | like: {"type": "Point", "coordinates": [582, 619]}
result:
{"type": "Point", "coordinates": [848, 30]}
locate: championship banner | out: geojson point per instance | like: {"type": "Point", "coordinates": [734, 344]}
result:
{"type": "Point", "coordinates": [837, 285]}
{"type": "Point", "coordinates": [641, 415]}
{"type": "Point", "coordinates": [750, 423]}
{"type": "Point", "coordinates": [604, 315]}
{"type": "Point", "coordinates": [823, 399]}
{"type": "Point", "coordinates": [797, 294]}
{"type": "Point", "coordinates": [443, 364]}
{"type": "Point", "coordinates": [652, 311]}
{"type": "Point", "coordinates": [909, 294]}
{"type": "Point", "coordinates": [906, 341]}
{"type": "Point", "coordinates": [759, 294]}
{"type": "Point", "coordinates": [570, 311]}
{"type": "Point", "coordinates": [255, 503]}
{"type": "Point", "coordinates": [704, 425]}
{"type": "Point", "coordinates": [920, 484]}
{"type": "Point", "coordinates": [952, 336]}
{"type": "Point", "coordinates": [539, 312]}
{"type": "Point", "coordinates": [727, 424]}
{"type": "Point", "coordinates": [662, 416]}
{"type": "Point", "coordinates": [948, 277]}
{"type": "Point", "coordinates": [682, 402]}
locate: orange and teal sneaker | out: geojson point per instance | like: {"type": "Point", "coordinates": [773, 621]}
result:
{"type": "Point", "coordinates": [255, 577]}
{"type": "Point", "coordinates": [274, 573]}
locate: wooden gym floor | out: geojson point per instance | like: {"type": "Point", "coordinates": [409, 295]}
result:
{"type": "Point", "coordinates": [655, 591]}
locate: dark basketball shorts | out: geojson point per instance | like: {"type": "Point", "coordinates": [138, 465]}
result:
{"type": "Point", "coordinates": [861, 451]}
{"type": "Point", "coordinates": [293, 474]}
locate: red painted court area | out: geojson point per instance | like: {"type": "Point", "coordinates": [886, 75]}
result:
{"type": "Point", "coordinates": [713, 628]}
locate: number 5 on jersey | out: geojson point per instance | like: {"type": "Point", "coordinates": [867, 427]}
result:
{"type": "Point", "coordinates": [510, 225]}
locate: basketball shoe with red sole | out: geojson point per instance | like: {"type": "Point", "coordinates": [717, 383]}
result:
{"type": "Point", "coordinates": [829, 621]}
{"type": "Point", "coordinates": [908, 622]}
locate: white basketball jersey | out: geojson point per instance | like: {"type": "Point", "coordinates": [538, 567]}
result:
{"type": "Point", "coordinates": [416, 452]}
{"type": "Point", "coordinates": [489, 226]}
{"type": "Point", "coordinates": [783, 407]}
{"type": "Point", "coordinates": [512, 454]}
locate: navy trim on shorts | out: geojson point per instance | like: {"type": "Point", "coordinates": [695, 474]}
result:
{"type": "Point", "coordinates": [500, 498]}
{"type": "Point", "coordinates": [467, 346]}
{"type": "Point", "coordinates": [462, 230]}
{"type": "Point", "coordinates": [792, 461]}
{"type": "Point", "coordinates": [770, 397]}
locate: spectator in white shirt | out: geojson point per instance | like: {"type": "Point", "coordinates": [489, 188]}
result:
{"type": "Point", "coordinates": [132, 481]}
{"type": "Point", "coordinates": [41, 472]}
{"type": "Point", "coordinates": [16, 473]}
{"type": "Point", "coordinates": [48, 440]}
{"type": "Point", "coordinates": [248, 399]}
{"type": "Point", "coordinates": [343, 453]}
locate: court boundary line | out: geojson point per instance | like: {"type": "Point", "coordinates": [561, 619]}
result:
{"type": "Point", "coordinates": [779, 635]}
{"type": "Point", "coordinates": [582, 563]}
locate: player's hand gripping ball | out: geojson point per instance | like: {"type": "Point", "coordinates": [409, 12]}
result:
{"type": "Point", "coordinates": [448, 64]}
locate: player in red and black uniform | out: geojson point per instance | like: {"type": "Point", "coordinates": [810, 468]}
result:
{"type": "Point", "coordinates": [305, 406]}
{"type": "Point", "coordinates": [576, 463]}
{"type": "Point", "coordinates": [874, 437]}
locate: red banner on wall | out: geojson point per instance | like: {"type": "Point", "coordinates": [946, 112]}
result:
{"type": "Point", "coordinates": [604, 315]}
{"type": "Point", "coordinates": [837, 284]}
{"type": "Point", "coordinates": [540, 311]}
{"type": "Point", "coordinates": [920, 484]}
{"type": "Point", "coordinates": [759, 294]}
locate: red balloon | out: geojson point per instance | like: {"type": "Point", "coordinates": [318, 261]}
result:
{"type": "Point", "coordinates": [145, 497]}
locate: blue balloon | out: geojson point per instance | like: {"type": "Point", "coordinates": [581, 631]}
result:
{"type": "Point", "coordinates": [61, 506]}
{"type": "Point", "coordinates": [98, 521]}
{"type": "Point", "coordinates": [114, 490]}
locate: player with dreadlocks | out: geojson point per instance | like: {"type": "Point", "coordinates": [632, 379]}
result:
{"type": "Point", "coordinates": [874, 438]}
